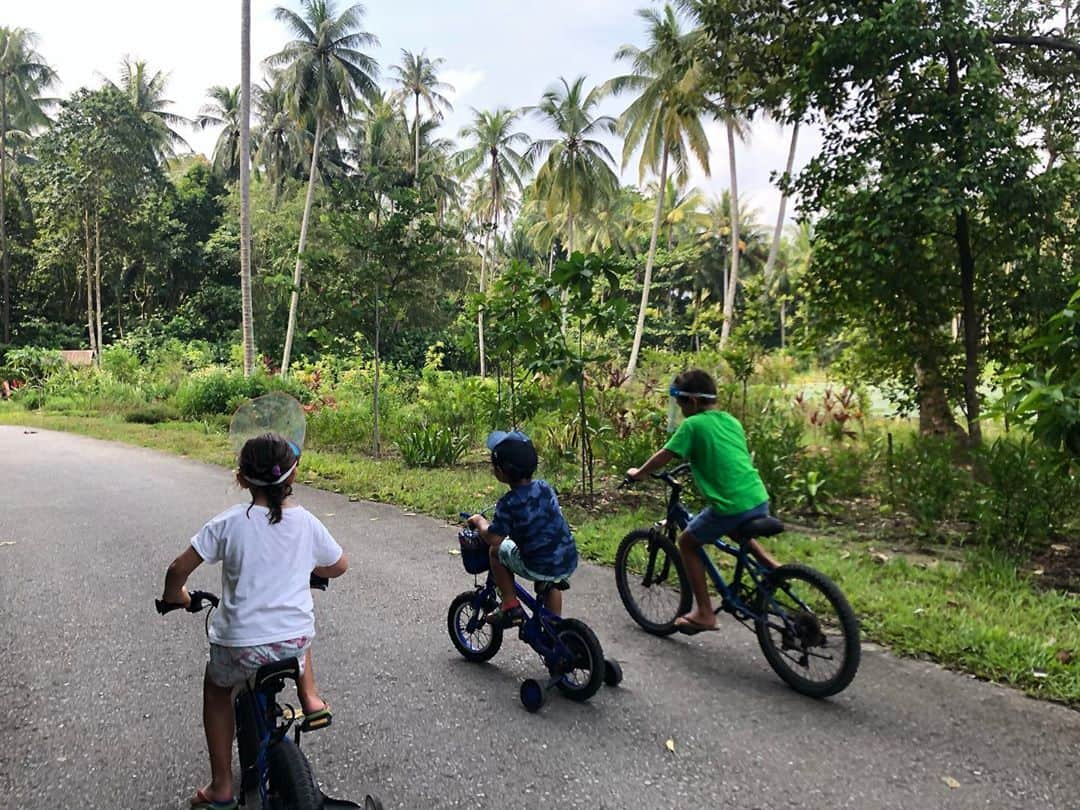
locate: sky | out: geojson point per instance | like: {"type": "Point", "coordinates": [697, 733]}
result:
{"type": "Point", "coordinates": [496, 52]}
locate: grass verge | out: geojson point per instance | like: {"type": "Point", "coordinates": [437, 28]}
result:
{"type": "Point", "coordinates": [978, 613]}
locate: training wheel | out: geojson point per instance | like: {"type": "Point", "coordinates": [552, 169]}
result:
{"type": "Point", "coordinates": [612, 672]}
{"type": "Point", "coordinates": [532, 695]}
{"type": "Point", "coordinates": [371, 803]}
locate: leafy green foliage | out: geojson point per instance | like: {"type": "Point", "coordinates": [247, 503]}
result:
{"type": "Point", "coordinates": [432, 446]}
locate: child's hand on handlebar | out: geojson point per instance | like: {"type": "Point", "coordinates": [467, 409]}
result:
{"type": "Point", "coordinates": [478, 522]}
{"type": "Point", "coordinates": [634, 473]}
{"type": "Point", "coordinates": [182, 598]}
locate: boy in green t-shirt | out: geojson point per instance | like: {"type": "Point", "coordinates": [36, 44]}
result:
{"type": "Point", "coordinates": [714, 443]}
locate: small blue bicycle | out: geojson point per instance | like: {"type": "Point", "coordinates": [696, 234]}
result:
{"type": "Point", "coordinates": [273, 768]}
{"type": "Point", "coordinates": [805, 627]}
{"type": "Point", "coordinates": [568, 647]}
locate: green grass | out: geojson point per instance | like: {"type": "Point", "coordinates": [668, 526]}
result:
{"type": "Point", "coordinates": [977, 614]}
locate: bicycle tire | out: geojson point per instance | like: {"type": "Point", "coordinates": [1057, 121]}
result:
{"type": "Point", "coordinates": [292, 786]}
{"type": "Point", "coordinates": [807, 628]}
{"type": "Point", "coordinates": [585, 647]}
{"type": "Point", "coordinates": [475, 647]}
{"type": "Point", "coordinates": [675, 601]}
{"type": "Point", "coordinates": [247, 741]}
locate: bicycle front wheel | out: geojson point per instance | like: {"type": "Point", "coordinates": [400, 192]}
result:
{"type": "Point", "coordinates": [807, 630]}
{"type": "Point", "coordinates": [651, 580]}
{"type": "Point", "coordinates": [292, 787]}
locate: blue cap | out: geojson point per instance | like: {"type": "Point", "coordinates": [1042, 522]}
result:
{"type": "Point", "coordinates": [497, 437]}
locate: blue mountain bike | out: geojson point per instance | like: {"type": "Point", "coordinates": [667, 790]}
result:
{"type": "Point", "coordinates": [273, 768]}
{"type": "Point", "coordinates": [568, 647]}
{"type": "Point", "coordinates": [805, 627]}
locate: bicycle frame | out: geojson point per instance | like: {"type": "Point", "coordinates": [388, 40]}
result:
{"type": "Point", "coordinates": [538, 630]}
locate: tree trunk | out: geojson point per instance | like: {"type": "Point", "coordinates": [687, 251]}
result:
{"type": "Point", "coordinates": [935, 415]}
{"type": "Point", "coordinates": [971, 328]}
{"type": "Point", "coordinates": [245, 188]}
{"type": "Point", "coordinates": [783, 324]}
{"type": "Point", "coordinates": [774, 248]}
{"type": "Point", "coordinates": [97, 280]}
{"type": "Point", "coordinates": [294, 301]}
{"type": "Point", "coordinates": [375, 405]}
{"type": "Point", "coordinates": [639, 329]}
{"type": "Point", "coordinates": [89, 282]}
{"type": "Point", "coordinates": [480, 314]}
{"type": "Point", "coordinates": [733, 278]}
{"type": "Point", "coordinates": [416, 138]}
{"type": "Point", "coordinates": [5, 268]}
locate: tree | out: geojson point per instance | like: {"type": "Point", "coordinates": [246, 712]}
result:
{"type": "Point", "coordinates": [23, 75]}
{"type": "Point", "coordinates": [278, 137]}
{"type": "Point", "coordinates": [664, 121]}
{"type": "Point", "coordinates": [494, 150]}
{"type": "Point", "coordinates": [245, 187]}
{"type": "Point", "coordinates": [323, 70]}
{"type": "Point", "coordinates": [417, 76]}
{"type": "Point", "coordinates": [575, 169]}
{"type": "Point", "coordinates": [146, 93]}
{"type": "Point", "coordinates": [224, 111]}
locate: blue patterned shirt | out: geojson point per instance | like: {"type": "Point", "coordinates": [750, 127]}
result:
{"type": "Point", "coordinates": [529, 515]}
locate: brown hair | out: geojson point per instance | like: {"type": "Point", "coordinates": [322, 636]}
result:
{"type": "Point", "coordinates": [267, 458]}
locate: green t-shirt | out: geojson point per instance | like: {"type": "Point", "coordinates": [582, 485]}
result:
{"type": "Point", "coordinates": [714, 443]}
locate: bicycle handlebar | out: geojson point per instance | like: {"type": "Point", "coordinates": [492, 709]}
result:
{"type": "Point", "coordinates": [667, 476]}
{"type": "Point", "coordinates": [200, 599]}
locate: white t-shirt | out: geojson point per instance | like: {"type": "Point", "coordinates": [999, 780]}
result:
{"type": "Point", "coordinates": [265, 573]}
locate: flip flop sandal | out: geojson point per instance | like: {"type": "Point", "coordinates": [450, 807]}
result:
{"type": "Point", "coordinates": [688, 627]}
{"type": "Point", "coordinates": [202, 802]}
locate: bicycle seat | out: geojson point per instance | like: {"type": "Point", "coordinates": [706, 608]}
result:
{"type": "Point", "coordinates": [269, 676]}
{"type": "Point", "coordinates": [547, 586]}
{"type": "Point", "coordinates": [757, 527]}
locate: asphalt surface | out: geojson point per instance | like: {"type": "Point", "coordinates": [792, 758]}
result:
{"type": "Point", "coordinates": [101, 697]}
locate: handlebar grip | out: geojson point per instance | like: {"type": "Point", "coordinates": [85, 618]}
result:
{"type": "Point", "coordinates": [318, 583]}
{"type": "Point", "coordinates": [166, 607]}
{"type": "Point", "coordinates": [198, 597]}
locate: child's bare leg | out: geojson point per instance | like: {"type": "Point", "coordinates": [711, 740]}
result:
{"type": "Point", "coordinates": [553, 601]}
{"type": "Point", "coordinates": [218, 722]}
{"type": "Point", "coordinates": [764, 557]}
{"type": "Point", "coordinates": [504, 578]}
{"type": "Point", "coordinates": [306, 689]}
{"type": "Point", "coordinates": [702, 612]}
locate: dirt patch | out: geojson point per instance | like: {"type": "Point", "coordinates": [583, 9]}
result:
{"type": "Point", "coordinates": [1058, 566]}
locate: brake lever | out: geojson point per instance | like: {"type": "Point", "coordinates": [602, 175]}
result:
{"type": "Point", "coordinates": [318, 583]}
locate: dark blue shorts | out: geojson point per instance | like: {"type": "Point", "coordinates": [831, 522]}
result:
{"type": "Point", "coordinates": [708, 525]}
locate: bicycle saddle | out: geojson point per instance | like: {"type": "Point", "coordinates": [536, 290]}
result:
{"type": "Point", "coordinates": [545, 587]}
{"type": "Point", "coordinates": [269, 675]}
{"type": "Point", "coordinates": [758, 527]}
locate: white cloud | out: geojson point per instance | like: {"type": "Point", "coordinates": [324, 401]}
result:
{"type": "Point", "coordinates": [463, 80]}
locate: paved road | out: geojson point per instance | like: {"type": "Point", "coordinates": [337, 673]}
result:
{"type": "Point", "coordinates": [101, 696]}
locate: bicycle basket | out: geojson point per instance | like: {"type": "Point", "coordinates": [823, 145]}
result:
{"type": "Point", "coordinates": [474, 551]}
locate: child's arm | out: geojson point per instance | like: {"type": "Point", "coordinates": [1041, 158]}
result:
{"type": "Point", "coordinates": [481, 524]}
{"type": "Point", "coordinates": [176, 577]}
{"type": "Point", "coordinates": [657, 460]}
{"type": "Point", "coordinates": [332, 571]}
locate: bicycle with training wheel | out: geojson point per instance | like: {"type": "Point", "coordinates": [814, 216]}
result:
{"type": "Point", "coordinates": [805, 627]}
{"type": "Point", "coordinates": [568, 647]}
{"type": "Point", "coordinates": [273, 768]}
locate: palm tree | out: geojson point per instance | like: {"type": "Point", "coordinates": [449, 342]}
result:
{"type": "Point", "coordinates": [664, 120]}
{"type": "Point", "coordinates": [576, 169]}
{"type": "Point", "coordinates": [494, 150]}
{"type": "Point", "coordinates": [23, 75]}
{"type": "Point", "coordinates": [735, 127]}
{"type": "Point", "coordinates": [323, 72]}
{"type": "Point", "coordinates": [245, 187]}
{"type": "Point", "coordinates": [417, 76]}
{"type": "Point", "coordinates": [279, 140]}
{"type": "Point", "coordinates": [224, 111]}
{"type": "Point", "coordinates": [146, 92]}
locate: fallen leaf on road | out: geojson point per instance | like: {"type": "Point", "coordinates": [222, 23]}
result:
{"type": "Point", "coordinates": [409, 514]}
{"type": "Point", "coordinates": [7, 542]}
{"type": "Point", "coordinates": [670, 745]}
{"type": "Point", "coordinates": [329, 514]}
{"type": "Point", "coordinates": [455, 551]}
{"type": "Point", "coordinates": [952, 783]}
{"type": "Point", "coordinates": [372, 518]}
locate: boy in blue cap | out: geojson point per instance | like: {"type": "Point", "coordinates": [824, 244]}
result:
{"type": "Point", "coordinates": [528, 534]}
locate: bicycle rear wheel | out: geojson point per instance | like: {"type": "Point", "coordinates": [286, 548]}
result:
{"type": "Point", "coordinates": [586, 673]}
{"type": "Point", "coordinates": [807, 630]}
{"type": "Point", "coordinates": [292, 787]}
{"type": "Point", "coordinates": [651, 580]}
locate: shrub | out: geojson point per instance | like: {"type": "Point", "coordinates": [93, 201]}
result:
{"type": "Point", "coordinates": [152, 414]}
{"type": "Point", "coordinates": [218, 390]}
{"type": "Point", "coordinates": [774, 437]}
{"type": "Point", "coordinates": [31, 365]}
{"type": "Point", "coordinates": [432, 446]}
{"type": "Point", "coordinates": [345, 426]}
{"type": "Point", "coordinates": [928, 484]}
{"type": "Point", "coordinates": [121, 362]}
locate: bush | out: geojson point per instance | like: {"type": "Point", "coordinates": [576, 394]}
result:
{"type": "Point", "coordinates": [122, 363]}
{"type": "Point", "coordinates": [31, 365]}
{"type": "Point", "coordinates": [774, 437]}
{"type": "Point", "coordinates": [218, 390]}
{"type": "Point", "coordinates": [1025, 494]}
{"type": "Point", "coordinates": [928, 483]}
{"type": "Point", "coordinates": [432, 446]}
{"type": "Point", "coordinates": [152, 414]}
{"type": "Point", "coordinates": [346, 426]}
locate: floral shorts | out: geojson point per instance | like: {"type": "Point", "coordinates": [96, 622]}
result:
{"type": "Point", "coordinates": [231, 666]}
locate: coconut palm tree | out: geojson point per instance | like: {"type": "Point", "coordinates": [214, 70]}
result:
{"type": "Point", "coordinates": [324, 70]}
{"type": "Point", "coordinates": [735, 126]}
{"type": "Point", "coordinates": [223, 111]}
{"type": "Point", "coordinates": [575, 171]}
{"type": "Point", "coordinates": [494, 152]}
{"type": "Point", "coordinates": [146, 91]}
{"type": "Point", "coordinates": [664, 120]}
{"type": "Point", "coordinates": [280, 143]}
{"type": "Point", "coordinates": [23, 75]}
{"type": "Point", "coordinates": [245, 188]}
{"type": "Point", "coordinates": [417, 76]}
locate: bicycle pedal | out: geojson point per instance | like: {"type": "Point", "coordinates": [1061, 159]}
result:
{"type": "Point", "coordinates": [316, 724]}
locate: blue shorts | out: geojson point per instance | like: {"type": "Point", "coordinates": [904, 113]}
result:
{"type": "Point", "coordinates": [708, 525]}
{"type": "Point", "coordinates": [510, 556]}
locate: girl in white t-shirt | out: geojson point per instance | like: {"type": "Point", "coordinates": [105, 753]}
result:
{"type": "Point", "coordinates": [268, 550]}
